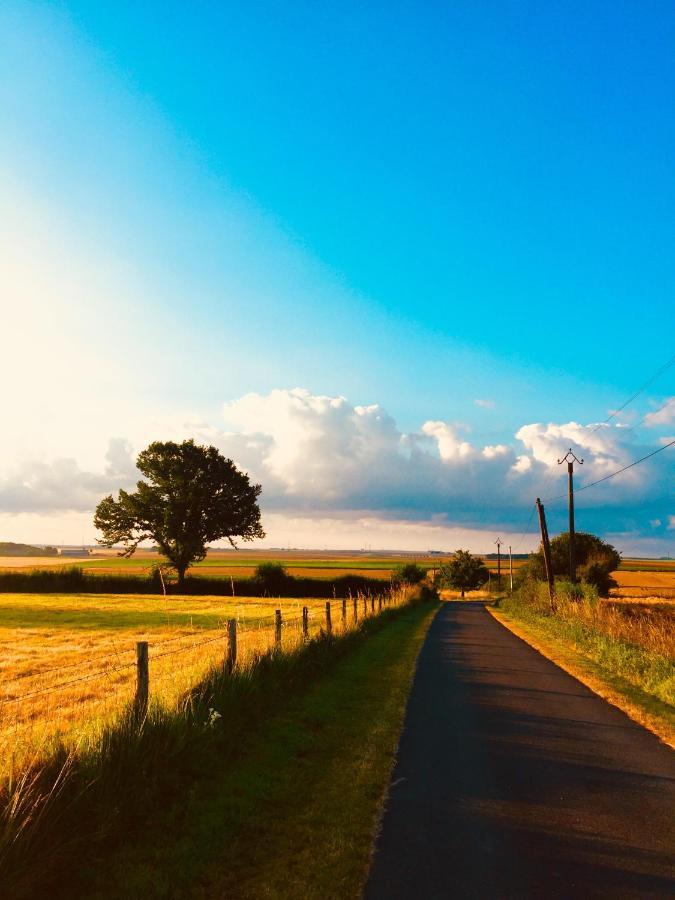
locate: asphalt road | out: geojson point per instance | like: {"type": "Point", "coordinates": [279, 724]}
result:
{"type": "Point", "coordinates": [515, 780]}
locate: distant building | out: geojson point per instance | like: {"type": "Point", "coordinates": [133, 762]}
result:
{"type": "Point", "coordinates": [73, 551]}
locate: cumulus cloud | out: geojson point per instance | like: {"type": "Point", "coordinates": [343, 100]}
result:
{"type": "Point", "coordinates": [665, 415]}
{"type": "Point", "coordinates": [485, 404]}
{"type": "Point", "coordinates": [61, 485]}
{"type": "Point", "coordinates": [323, 456]}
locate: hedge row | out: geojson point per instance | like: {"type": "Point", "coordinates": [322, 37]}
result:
{"type": "Point", "coordinates": [75, 580]}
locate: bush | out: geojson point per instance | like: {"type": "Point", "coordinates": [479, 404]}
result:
{"type": "Point", "coordinates": [588, 549]}
{"type": "Point", "coordinates": [598, 572]}
{"type": "Point", "coordinates": [408, 573]}
{"type": "Point", "coordinates": [428, 593]}
{"type": "Point", "coordinates": [272, 576]}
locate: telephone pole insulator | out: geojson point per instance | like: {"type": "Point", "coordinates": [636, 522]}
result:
{"type": "Point", "coordinates": [570, 458]}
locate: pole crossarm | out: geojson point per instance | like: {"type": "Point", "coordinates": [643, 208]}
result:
{"type": "Point", "coordinates": [570, 456]}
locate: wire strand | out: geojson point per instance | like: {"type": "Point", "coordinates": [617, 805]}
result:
{"type": "Point", "coordinates": [613, 474]}
{"type": "Point", "coordinates": [637, 393]}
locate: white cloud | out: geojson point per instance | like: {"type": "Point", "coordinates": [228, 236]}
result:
{"type": "Point", "coordinates": [450, 447]}
{"type": "Point", "coordinates": [662, 416]}
{"type": "Point", "coordinates": [671, 523]}
{"type": "Point", "coordinates": [485, 404]}
{"type": "Point", "coordinates": [62, 486]}
{"type": "Point", "coordinates": [321, 457]}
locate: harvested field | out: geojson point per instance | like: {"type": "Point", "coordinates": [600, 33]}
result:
{"type": "Point", "coordinates": [41, 562]}
{"type": "Point", "coordinates": [67, 663]}
{"type": "Point", "coordinates": [638, 584]}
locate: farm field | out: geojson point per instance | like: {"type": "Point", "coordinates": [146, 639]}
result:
{"type": "Point", "coordinates": [67, 662]}
{"type": "Point", "coordinates": [646, 583]}
{"type": "Point", "coordinates": [242, 564]}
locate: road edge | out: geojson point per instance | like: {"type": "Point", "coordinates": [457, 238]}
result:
{"type": "Point", "coordinates": [589, 674]}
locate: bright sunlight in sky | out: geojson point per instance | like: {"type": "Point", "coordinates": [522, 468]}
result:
{"type": "Point", "coordinates": [393, 259]}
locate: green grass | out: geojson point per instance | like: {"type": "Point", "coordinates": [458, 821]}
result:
{"type": "Point", "coordinates": [278, 798]}
{"type": "Point", "coordinates": [295, 816]}
{"type": "Point", "coordinates": [120, 611]}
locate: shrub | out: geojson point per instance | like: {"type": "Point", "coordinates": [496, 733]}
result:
{"type": "Point", "coordinates": [408, 573]}
{"type": "Point", "coordinates": [272, 576]}
{"type": "Point", "coordinates": [598, 572]}
{"type": "Point", "coordinates": [587, 549]}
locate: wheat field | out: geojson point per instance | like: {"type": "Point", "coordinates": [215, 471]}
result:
{"type": "Point", "coordinates": [67, 662]}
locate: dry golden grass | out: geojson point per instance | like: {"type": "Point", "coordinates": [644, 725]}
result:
{"type": "Point", "coordinates": [67, 662]}
{"type": "Point", "coordinates": [650, 626]}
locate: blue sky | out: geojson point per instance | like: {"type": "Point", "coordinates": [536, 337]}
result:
{"type": "Point", "coordinates": [411, 205]}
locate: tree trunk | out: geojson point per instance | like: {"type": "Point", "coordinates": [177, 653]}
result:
{"type": "Point", "coordinates": [462, 593]}
{"type": "Point", "coordinates": [180, 570]}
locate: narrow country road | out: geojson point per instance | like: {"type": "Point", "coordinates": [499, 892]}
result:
{"type": "Point", "coordinates": [514, 780]}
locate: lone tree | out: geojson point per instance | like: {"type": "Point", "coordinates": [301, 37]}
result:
{"type": "Point", "coordinates": [464, 572]}
{"type": "Point", "coordinates": [193, 496]}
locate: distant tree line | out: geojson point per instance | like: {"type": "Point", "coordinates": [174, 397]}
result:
{"type": "Point", "coordinates": [8, 548]}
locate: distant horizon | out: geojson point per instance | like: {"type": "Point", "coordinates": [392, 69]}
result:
{"type": "Point", "coordinates": [379, 551]}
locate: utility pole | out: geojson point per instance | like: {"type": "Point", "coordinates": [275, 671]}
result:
{"type": "Point", "coordinates": [511, 567]}
{"type": "Point", "coordinates": [498, 542]}
{"type": "Point", "coordinates": [547, 552]}
{"type": "Point", "coordinates": [570, 459]}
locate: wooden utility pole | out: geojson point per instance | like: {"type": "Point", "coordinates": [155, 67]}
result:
{"type": "Point", "coordinates": [570, 459]}
{"type": "Point", "coordinates": [498, 542]}
{"type": "Point", "coordinates": [547, 552]}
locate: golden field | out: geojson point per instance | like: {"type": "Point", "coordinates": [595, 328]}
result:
{"type": "Point", "coordinates": [67, 662]}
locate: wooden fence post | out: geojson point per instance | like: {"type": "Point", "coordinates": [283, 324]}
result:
{"type": "Point", "coordinates": [365, 606]}
{"type": "Point", "coordinates": [231, 644]}
{"type": "Point", "coordinates": [372, 604]}
{"type": "Point", "coordinates": [379, 603]}
{"type": "Point", "coordinates": [305, 623]}
{"type": "Point", "coordinates": [277, 629]}
{"type": "Point", "coordinates": [329, 624]}
{"type": "Point", "coordinates": [356, 609]}
{"type": "Point", "coordinates": [142, 680]}
{"type": "Point", "coordinates": [344, 613]}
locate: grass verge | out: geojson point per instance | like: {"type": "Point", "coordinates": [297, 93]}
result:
{"type": "Point", "coordinates": [265, 784]}
{"type": "Point", "coordinates": [624, 674]}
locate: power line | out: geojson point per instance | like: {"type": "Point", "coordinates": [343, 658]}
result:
{"type": "Point", "coordinates": [637, 393]}
{"type": "Point", "coordinates": [668, 402]}
{"type": "Point", "coordinates": [613, 474]}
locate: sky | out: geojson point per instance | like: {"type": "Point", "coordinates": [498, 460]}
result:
{"type": "Point", "coordinates": [392, 258]}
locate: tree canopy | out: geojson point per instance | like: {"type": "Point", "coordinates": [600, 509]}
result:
{"type": "Point", "coordinates": [595, 559]}
{"type": "Point", "coordinates": [464, 572]}
{"type": "Point", "coordinates": [192, 497]}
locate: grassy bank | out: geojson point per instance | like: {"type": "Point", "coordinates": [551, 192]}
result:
{"type": "Point", "coordinates": [264, 783]}
{"type": "Point", "coordinates": [626, 656]}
